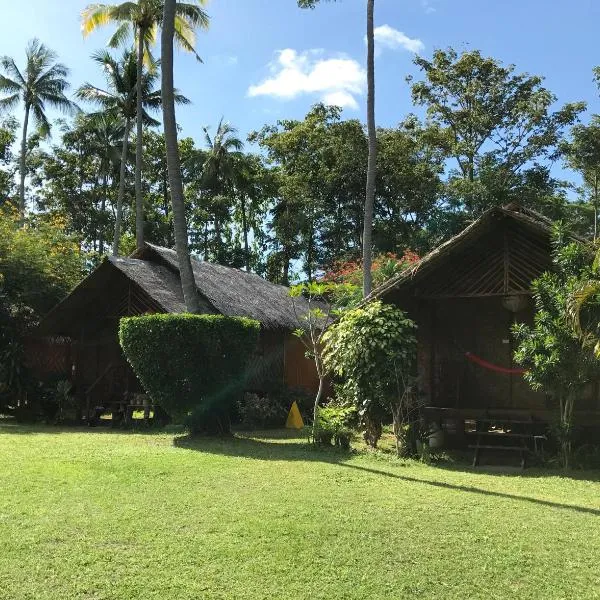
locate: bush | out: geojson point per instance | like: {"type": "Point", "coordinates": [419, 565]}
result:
{"type": "Point", "coordinates": [372, 352]}
{"type": "Point", "coordinates": [334, 424]}
{"type": "Point", "coordinates": [194, 366]}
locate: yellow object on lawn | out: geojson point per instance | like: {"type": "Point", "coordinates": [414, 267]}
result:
{"type": "Point", "coordinates": [294, 418]}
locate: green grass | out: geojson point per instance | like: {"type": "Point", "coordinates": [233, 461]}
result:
{"type": "Point", "coordinates": [108, 515]}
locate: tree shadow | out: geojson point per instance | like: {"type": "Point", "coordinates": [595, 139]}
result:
{"type": "Point", "coordinates": [258, 447]}
{"type": "Point", "coordinates": [12, 427]}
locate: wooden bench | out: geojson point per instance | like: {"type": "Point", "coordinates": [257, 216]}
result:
{"type": "Point", "coordinates": [492, 433]}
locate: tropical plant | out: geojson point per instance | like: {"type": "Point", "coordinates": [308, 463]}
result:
{"type": "Point", "coordinates": [551, 351]}
{"type": "Point", "coordinates": [372, 350]}
{"type": "Point", "coordinates": [218, 171]}
{"type": "Point", "coordinates": [143, 18]}
{"type": "Point", "coordinates": [105, 132]}
{"type": "Point", "coordinates": [188, 283]}
{"type": "Point", "coordinates": [120, 100]}
{"type": "Point", "coordinates": [42, 83]}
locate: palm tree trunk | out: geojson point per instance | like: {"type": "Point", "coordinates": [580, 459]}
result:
{"type": "Point", "coordinates": [121, 192]}
{"type": "Point", "coordinates": [370, 191]}
{"type": "Point", "coordinates": [245, 231]}
{"type": "Point", "coordinates": [139, 200]}
{"type": "Point", "coordinates": [102, 210]}
{"type": "Point", "coordinates": [22, 164]}
{"type": "Point", "coordinates": [186, 272]}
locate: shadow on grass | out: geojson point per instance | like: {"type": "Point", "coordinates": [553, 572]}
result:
{"type": "Point", "coordinates": [10, 426]}
{"type": "Point", "coordinates": [294, 449]}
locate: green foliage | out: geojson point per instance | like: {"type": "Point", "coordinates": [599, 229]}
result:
{"type": "Point", "coordinates": [551, 350]}
{"type": "Point", "coordinates": [334, 424]}
{"type": "Point", "coordinates": [372, 350]}
{"type": "Point", "coordinates": [499, 127]}
{"type": "Point", "coordinates": [39, 265]}
{"type": "Point", "coordinates": [192, 365]}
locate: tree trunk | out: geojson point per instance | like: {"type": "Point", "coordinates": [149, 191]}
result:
{"type": "Point", "coordinates": [22, 165]}
{"type": "Point", "coordinates": [102, 210]}
{"type": "Point", "coordinates": [139, 200]}
{"type": "Point", "coordinates": [245, 231]}
{"type": "Point", "coordinates": [371, 168]}
{"type": "Point", "coordinates": [595, 207]}
{"type": "Point", "coordinates": [316, 407]}
{"type": "Point", "coordinates": [121, 192]}
{"type": "Point", "coordinates": [188, 284]}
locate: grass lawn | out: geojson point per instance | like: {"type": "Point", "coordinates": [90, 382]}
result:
{"type": "Point", "coordinates": [97, 514]}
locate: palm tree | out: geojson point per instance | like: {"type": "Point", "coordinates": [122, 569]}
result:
{"type": "Point", "coordinates": [143, 18]}
{"type": "Point", "coordinates": [219, 167]}
{"type": "Point", "coordinates": [583, 308]}
{"type": "Point", "coordinates": [43, 82]}
{"type": "Point", "coordinates": [186, 272]}
{"type": "Point", "coordinates": [121, 100]}
{"type": "Point", "coordinates": [371, 165]}
{"type": "Point", "coordinates": [372, 131]}
{"type": "Point", "coordinates": [105, 134]}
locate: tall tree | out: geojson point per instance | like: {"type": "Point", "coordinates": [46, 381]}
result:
{"type": "Point", "coordinates": [188, 283]}
{"type": "Point", "coordinates": [43, 82]}
{"type": "Point", "coordinates": [105, 131]}
{"type": "Point", "coordinates": [143, 18]}
{"type": "Point", "coordinates": [498, 125]}
{"type": "Point", "coordinates": [372, 136]}
{"type": "Point", "coordinates": [218, 173]}
{"type": "Point", "coordinates": [371, 168]}
{"type": "Point", "coordinates": [120, 99]}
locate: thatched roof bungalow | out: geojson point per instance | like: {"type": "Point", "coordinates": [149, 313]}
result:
{"type": "Point", "coordinates": [148, 282]}
{"type": "Point", "coordinates": [464, 296]}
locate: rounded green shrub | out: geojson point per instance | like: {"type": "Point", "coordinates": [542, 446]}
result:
{"type": "Point", "coordinates": [193, 366]}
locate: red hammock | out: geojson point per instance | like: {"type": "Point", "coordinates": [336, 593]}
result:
{"type": "Point", "coordinates": [487, 365]}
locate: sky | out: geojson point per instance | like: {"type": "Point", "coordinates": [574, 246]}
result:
{"type": "Point", "coordinates": [266, 60]}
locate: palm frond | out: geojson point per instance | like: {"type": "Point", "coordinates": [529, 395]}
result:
{"type": "Point", "coordinates": [8, 85]}
{"type": "Point", "coordinates": [195, 16]}
{"type": "Point", "coordinates": [9, 66]}
{"type": "Point", "coordinates": [123, 32]}
{"type": "Point", "coordinates": [10, 102]}
{"type": "Point", "coordinates": [94, 16]}
{"type": "Point", "coordinates": [91, 93]}
{"type": "Point", "coordinates": [59, 102]}
{"type": "Point", "coordinates": [41, 120]}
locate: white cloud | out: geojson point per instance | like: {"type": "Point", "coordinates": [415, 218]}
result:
{"type": "Point", "coordinates": [337, 80]}
{"type": "Point", "coordinates": [388, 37]}
{"type": "Point", "coordinates": [343, 99]}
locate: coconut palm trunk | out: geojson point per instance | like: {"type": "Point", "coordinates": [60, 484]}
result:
{"type": "Point", "coordinates": [188, 283]}
{"type": "Point", "coordinates": [22, 165]}
{"type": "Point", "coordinates": [371, 168]}
{"type": "Point", "coordinates": [121, 192]}
{"type": "Point", "coordinates": [139, 200]}
{"type": "Point", "coordinates": [245, 232]}
{"type": "Point", "coordinates": [102, 210]}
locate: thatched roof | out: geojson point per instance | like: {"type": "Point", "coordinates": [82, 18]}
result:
{"type": "Point", "coordinates": [226, 290]}
{"type": "Point", "coordinates": [154, 272]}
{"type": "Point", "coordinates": [531, 221]}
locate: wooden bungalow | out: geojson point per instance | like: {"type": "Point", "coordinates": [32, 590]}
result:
{"type": "Point", "coordinates": [464, 297]}
{"type": "Point", "coordinates": [148, 282]}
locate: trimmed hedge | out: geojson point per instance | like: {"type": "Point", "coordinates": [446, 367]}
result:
{"type": "Point", "coordinates": [194, 366]}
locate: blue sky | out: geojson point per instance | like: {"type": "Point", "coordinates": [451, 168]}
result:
{"type": "Point", "coordinates": [267, 59]}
